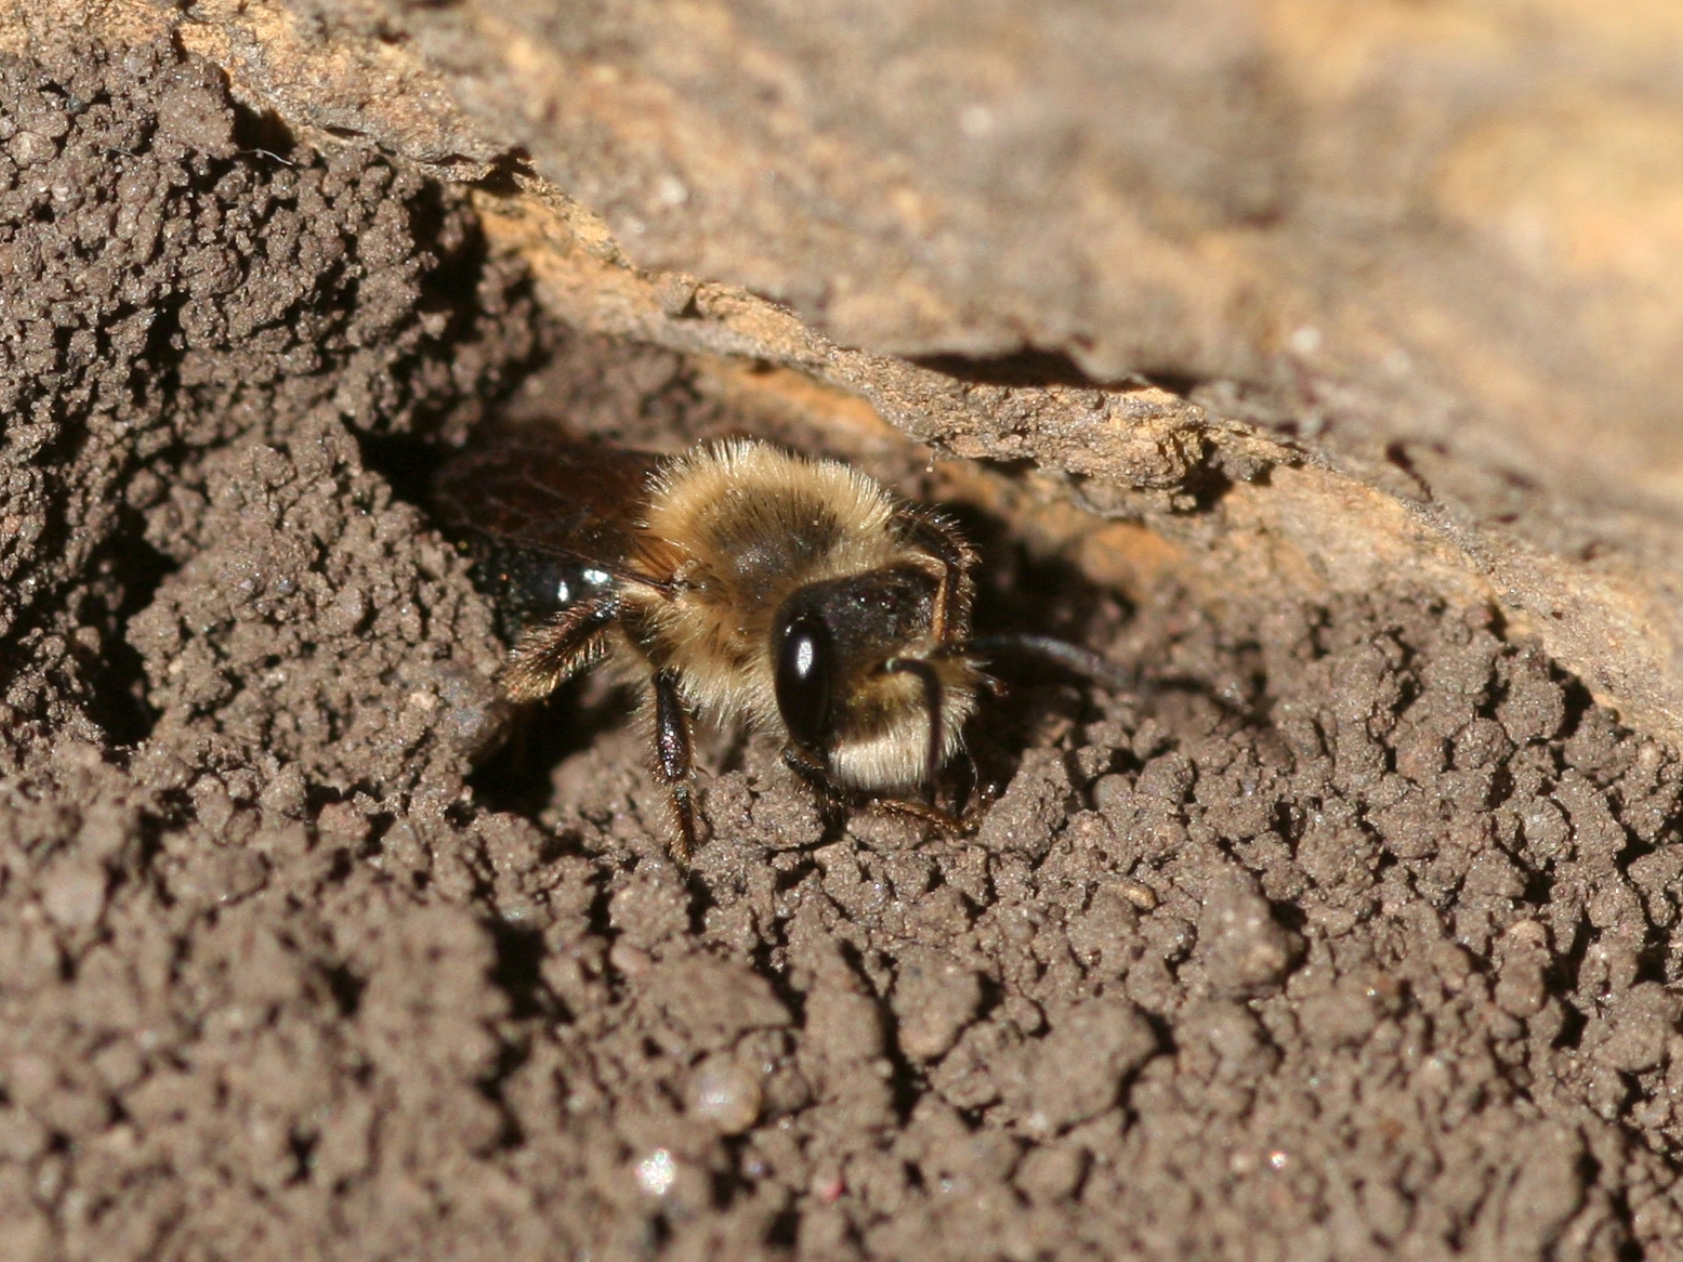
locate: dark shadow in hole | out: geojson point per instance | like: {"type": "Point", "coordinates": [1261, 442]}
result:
{"type": "Point", "coordinates": [118, 678]}
{"type": "Point", "coordinates": [450, 288]}
{"type": "Point", "coordinates": [518, 971]}
{"type": "Point", "coordinates": [345, 987]}
{"type": "Point", "coordinates": [503, 179]}
{"type": "Point", "coordinates": [1207, 485]}
{"type": "Point", "coordinates": [156, 371]}
{"type": "Point", "coordinates": [1176, 383]}
{"type": "Point", "coordinates": [1032, 367]}
{"type": "Point", "coordinates": [1028, 367]}
{"type": "Point", "coordinates": [516, 778]}
{"type": "Point", "coordinates": [784, 1229]}
{"type": "Point", "coordinates": [302, 1146]}
{"type": "Point", "coordinates": [511, 1056]}
{"type": "Point", "coordinates": [407, 463]}
{"type": "Point", "coordinates": [1019, 594]}
{"type": "Point", "coordinates": [263, 134]}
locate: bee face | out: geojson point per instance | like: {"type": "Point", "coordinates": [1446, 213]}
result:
{"type": "Point", "coordinates": [863, 686]}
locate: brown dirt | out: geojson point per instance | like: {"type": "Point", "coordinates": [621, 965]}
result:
{"type": "Point", "coordinates": [1354, 934]}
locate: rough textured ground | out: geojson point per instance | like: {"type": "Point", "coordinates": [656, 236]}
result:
{"type": "Point", "coordinates": [1354, 934]}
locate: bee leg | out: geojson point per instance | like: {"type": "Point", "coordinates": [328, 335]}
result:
{"type": "Point", "coordinates": [807, 770]}
{"type": "Point", "coordinates": [934, 816]}
{"type": "Point", "coordinates": [673, 761]}
{"type": "Point", "coordinates": [834, 797]}
{"type": "Point", "coordinates": [831, 799]}
{"type": "Point", "coordinates": [554, 651]}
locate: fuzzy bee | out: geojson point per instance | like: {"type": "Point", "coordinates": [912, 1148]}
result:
{"type": "Point", "coordinates": [737, 581]}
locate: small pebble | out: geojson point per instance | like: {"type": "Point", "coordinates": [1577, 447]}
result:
{"type": "Point", "coordinates": [726, 1094]}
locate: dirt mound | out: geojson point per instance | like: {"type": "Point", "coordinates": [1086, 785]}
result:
{"type": "Point", "coordinates": [1352, 933]}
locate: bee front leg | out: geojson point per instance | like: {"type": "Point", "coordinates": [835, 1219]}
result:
{"type": "Point", "coordinates": [944, 821]}
{"type": "Point", "coordinates": [673, 761]}
{"type": "Point", "coordinates": [831, 796]}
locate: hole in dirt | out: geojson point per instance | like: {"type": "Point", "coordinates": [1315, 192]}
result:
{"type": "Point", "coordinates": [1019, 594]}
{"type": "Point", "coordinates": [263, 134]}
{"type": "Point", "coordinates": [1016, 595]}
{"type": "Point", "coordinates": [1035, 367]}
{"type": "Point", "coordinates": [302, 1146]}
{"type": "Point", "coordinates": [516, 778]}
{"type": "Point", "coordinates": [345, 987]}
{"type": "Point", "coordinates": [507, 173]}
{"type": "Point", "coordinates": [406, 463]}
{"type": "Point", "coordinates": [1029, 367]}
{"type": "Point", "coordinates": [510, 1057]}
{"type": "Point", "coordinates": [1580, 704]}
{"type": "Point", "coordinates": [451, 289]}
{"type": "Point", "coordinates": [1206, 485]}
{"type": "Point", "coordinates": [783, 1232]}
{"type": "Point", "coordinates": [517, 970]}
{"type": "Point", "coordinates": [118, 679]}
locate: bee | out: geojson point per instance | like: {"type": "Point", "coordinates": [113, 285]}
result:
{"type": "Point", "coordinates": [734, 581]}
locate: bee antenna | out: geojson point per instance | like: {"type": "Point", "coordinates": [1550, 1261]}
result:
{"type": "Point", "coordinates": [931, 682]}
{"type": "Point", "coordinates": [1071, 657]}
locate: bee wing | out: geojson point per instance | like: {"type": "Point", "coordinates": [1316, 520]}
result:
{"type": "Point", "coordinates": [538, 490]}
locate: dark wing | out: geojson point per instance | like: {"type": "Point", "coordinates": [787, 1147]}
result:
{"type": "Point", "coordinates": [535, 489]}
{"type": "Point", "coordinates": [551, 524]}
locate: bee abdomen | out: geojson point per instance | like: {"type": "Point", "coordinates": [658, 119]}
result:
{"type": "Point", "coordinates": [529, 588]}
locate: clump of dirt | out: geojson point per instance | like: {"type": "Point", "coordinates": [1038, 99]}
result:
{"type": "Point", "coordinates": [1352, 932]}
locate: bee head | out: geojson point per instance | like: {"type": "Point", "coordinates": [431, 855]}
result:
{"type": "Point", "coordinates": [863, 685]}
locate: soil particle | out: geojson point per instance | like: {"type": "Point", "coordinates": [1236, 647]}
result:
{"type": "Point", "coordinates": [1077, 1071]}
{"type": "Point", "coordinates": [727, 1094]}
{"type": "Point", "coordinates": [934, 999]}
{"type": "Point", "coordinates": [1353, 934]}
{"type": "Point", "coordinates": [1243, 951]}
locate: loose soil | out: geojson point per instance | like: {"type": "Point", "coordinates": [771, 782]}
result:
{"type": "Point", "coordinates": [1352, 932]}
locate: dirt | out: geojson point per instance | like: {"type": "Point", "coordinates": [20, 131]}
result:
{"type": "Point", "coordinates": [1352, 932]}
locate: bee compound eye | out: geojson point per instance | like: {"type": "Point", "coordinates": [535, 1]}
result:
{"type": "Point", "coordinates": [805, 681]}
